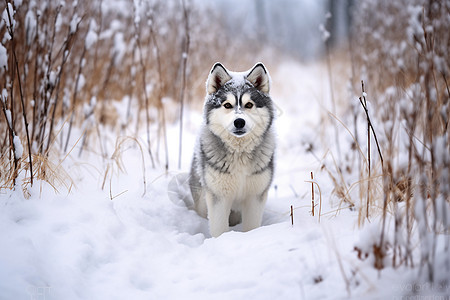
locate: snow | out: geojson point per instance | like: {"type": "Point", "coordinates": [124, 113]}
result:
{"type": "Point", "coordinates": [91, 38]}
{"type": "Point", "coordinates": [59, 22]}
{"type": "Point", "coordinates": [4, 95]}
{"type": "Point", "coordinates": [91, 247]}
{"type": "Point", "coordinates": [7, 17]}
{"type": "Point", "coordinates": [3, 58]}
{"type": "Point", "coordinates": [74, 23]}
{"type": "Point", "coordinates": [325, 33]}
{"type": "Point", "coordinates": [81, 82]}
{"type": "Point", "coordinates": [53, 77]}
{"type": "Point", "coordinates": [119, 47]}
{"type": "Point", "coordinates": [8, 117]}
{"type": "Point", "coordinates": [18, 147]}
{"type": "Point", "coordinates": [239, 78]}
{"type": "Point", "coordinates": [31, 24]}
{"type": "Point", "coordinates": [88, 242]}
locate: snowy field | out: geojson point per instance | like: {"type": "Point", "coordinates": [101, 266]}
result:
{"type": "Point", "coordinates": [129, 242]}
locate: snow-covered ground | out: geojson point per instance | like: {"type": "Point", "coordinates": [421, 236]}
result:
{"type": "Point", "coordinates": [119, 243]}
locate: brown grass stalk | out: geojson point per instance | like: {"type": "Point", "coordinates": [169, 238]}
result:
{"type": "Point", "coordinates": [54, 58]}
{"type": "Point", "coordinates": [411, 97]}
{"type": "Point", "coordinates": [11, 135]}
{"type": "Point", "coordinates": [370, 128]}
{"type": "Point", "coordinates": [292, 215]}
{"type": "Point", "coordinates": [184, 58]}
{"type": "Point", "coordinates": [320, 197]}
{"type": "Point", "coordinates": [24, 114]}
{"type": "Point", "coordinates": [160, 92]}
{"type": "Point", "coordinates": [144, 84]}
{"type": "Point", "coordinates": [312, 194]}
{"type": "Point", "coordinates": [75, 92]}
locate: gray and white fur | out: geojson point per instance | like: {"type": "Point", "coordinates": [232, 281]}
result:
{"type": "Point", "coordinates": [233, 163]}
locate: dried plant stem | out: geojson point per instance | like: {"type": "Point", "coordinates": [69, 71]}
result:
{"type": "Point", "coordinates": [24, 113]}
{"type": "Point", "coordinates": [333, 100]}
{"type": "Point", "coordinates": [74, 98]}
{"type": "Point", "coordinates": [144, 87]}
{"type": "Point", "coordinates": [448, 93]}
{"type": "Point", "coordinates": [48, 88]}
{"type": "Point", "coordinates": [312, 194]}
{"type": "Point", "coordinates": [65, 54]}
{"type": "Point", "coordinates": [320, 197]}
{"type": "Point", "coordinates": [184, 58]}
{"type": "Point", "coordinates": [409, 215]}
{"type": "Point", "coordinates": [320, 203]}
{"type": "Point", "coordinates": [35, 90]}
{"type": "Point", "coordinates": [292, 215]}
{"type": "Point", "coordinates": [432, 180]}
{"type": "Point", "coordinates": [160, 94]}
{"type": "Point", "coordinates": [364, 104]}
{"type": "Point", "coordinates": [370, 128]}
{"type": "Point", "coordinates": [116, 158]}
{"type": "Point", "coordinates": [11, 140]}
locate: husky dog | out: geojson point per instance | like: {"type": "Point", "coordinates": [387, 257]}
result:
{"type": "Point", "coordinates": [233, 162]}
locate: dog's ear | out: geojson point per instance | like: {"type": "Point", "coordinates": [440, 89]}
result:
{"type": "Point", "coordinates": [259, 77]}
{"type": "Point", "coordinates": [217, 78]}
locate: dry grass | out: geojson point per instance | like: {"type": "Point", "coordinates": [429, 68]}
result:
{"type": "Point", "coordinates": [68, 66]}
{"type": "Point", "coordinates": [116, 165]}
{"type": "Point", "coordinates": [400, 50]}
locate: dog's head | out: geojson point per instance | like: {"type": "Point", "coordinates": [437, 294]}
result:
{"type": "Point", "coordinates": [238, 103]}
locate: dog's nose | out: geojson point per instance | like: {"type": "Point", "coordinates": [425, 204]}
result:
{"type": "Point", "coordinates": [239, 123]}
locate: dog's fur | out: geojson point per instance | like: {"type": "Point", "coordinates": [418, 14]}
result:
{"type": "Point", "coordinates": [233, 162]}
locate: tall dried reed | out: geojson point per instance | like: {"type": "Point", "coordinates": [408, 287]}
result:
{"type": "Point", "coordinates": [65, 66]}
{"type": "Point", "coordinates": [400, 50]}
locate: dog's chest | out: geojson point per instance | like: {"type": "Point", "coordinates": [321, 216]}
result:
{"type": "Point", "coordinates": [239, 175]}
{"type": "Point", "coordinates": [239, 164]}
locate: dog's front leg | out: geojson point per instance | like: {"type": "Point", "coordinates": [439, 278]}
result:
{"type": "Point", "coordinates": [252, 212]}
{"type": "Point", "coordinates": [218, 213]}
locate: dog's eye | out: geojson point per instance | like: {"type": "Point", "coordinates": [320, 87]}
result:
{"type": "Point", "coordinates": [249, 105]}
{"type": "Point", "coordinates": [228, 105]}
